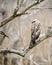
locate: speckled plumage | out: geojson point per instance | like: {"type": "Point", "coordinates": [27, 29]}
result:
{"type": "Point", "coordinates": [35, 31]}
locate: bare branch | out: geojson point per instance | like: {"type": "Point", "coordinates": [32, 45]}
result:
{"type": "Point", "coordinates": [42, 37]}
{"type": "Point", "coordinates": [41, 8]}
{"type": "Point", "coordinates": [6, 21]}
{"type": "Point", "coordinates": [11, 51]}
{"type": "Point", "coordinates": [4, 35]}
{"type": "Point", "coordinates": [17, 2]}
{"type": "Point", "coordinates": [16, 15]}
{"type": "Point", "coordinates": [16, 9]}
{"type": "Point", "coordinates": [18, 6]}
{"type": "Point", "coordinates": [21, 2]}
{"type": "Point", "coordinates": [35, 3]}
{"type": "Point", "coordinates": [45, 36]}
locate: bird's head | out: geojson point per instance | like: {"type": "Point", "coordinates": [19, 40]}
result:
{"type": "Point", "coordinates": [36, 24]}
{"type": "Point", "coordinates": [36, 21]}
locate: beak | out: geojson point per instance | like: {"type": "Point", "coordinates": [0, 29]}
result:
{"type": "Point", "coordinates": [33, 21]}
{"type": "Point", "coordinates": [36, 20]}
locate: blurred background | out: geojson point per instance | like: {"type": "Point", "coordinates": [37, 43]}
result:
{"type": "Point", "coordinates": [19, 32]}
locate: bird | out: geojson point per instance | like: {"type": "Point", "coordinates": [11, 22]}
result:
{"type": "Point", "coordinates": [35, 32]}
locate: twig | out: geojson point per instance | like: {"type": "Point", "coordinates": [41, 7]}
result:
{"type": "Point", "coordinates": [35, 3]}
{"type": "Point", "coordinates": [4, 35]}
{"type": "Point", "coordinates": [17, 15]}
{"type": "Point", "coordinates": [43, 37]}
{"type": "Point", "coordinates": [6, 21]}
{"type": "Point", "coordinates": [18, 6]}
{"type": "Point", "coordinates": [11, 51]}
{"type": "Point", "coordinates": [21, 3]}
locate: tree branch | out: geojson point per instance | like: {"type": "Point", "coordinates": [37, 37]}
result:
{"type": "Point", "coordinates": [42, 37]}
{"type": "Point", "coordinates": [4, 35]}
{"type": "Point", "coordinates": [19, 14]}
{"type": "Point", "coordinates": [45, 36]}
{"type": "Point", "coordinates": [11, 51]}
{"type": "Point", "coordinates": [6, 21]}
{"type": "Point", "coordinates": [21, 2]}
